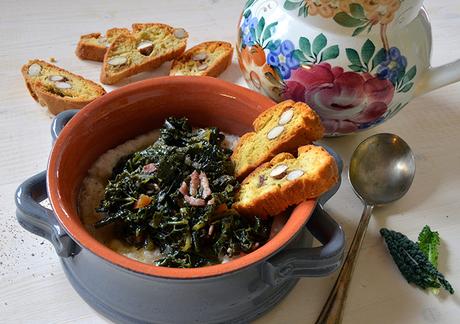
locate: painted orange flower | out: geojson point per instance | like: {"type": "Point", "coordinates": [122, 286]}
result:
{"type": "Point", "coordinates": [324, 8]}
{"type": "Point", "coordinates": [378, 11]}
{"type": "Point", "coordinates": [258, 73]}
{"type": "Point", "coordinates": [386, 10]}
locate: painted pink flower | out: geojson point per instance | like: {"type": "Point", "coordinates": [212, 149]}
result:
{"type": "Point", "coordinates": [344, 100]}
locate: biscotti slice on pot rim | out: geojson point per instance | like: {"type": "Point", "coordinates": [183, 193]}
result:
{"type": "Point", "coordinates": [57, 88]}
{"type": "Point", "coordinates": [94, 46]}
{"type": "Point", "coordinates": [146, 48]}
{"type": "Point", "coordinates": [281, 128]}
{"type": "Point", "coordinates": [285, 181]}
{"type": "Point", "coordinates": [208, 58]}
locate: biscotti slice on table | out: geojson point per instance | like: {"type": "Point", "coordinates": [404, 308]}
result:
{"type": "Point", "coordinates": [208, 58]}
{"type": "Point", "coordinates": [57, 88]}
{"type": "Point", "coordinates": [94, 46]}
{"type": "Point", "coordinates": [286, 181]}
{"type": "Point", "coordinates": [281, 128]}
{"type": "Point", "coordinates": [146, 48]}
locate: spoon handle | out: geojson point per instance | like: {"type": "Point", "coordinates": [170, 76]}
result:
{"type": "Point", "coordinates": [333, 308]}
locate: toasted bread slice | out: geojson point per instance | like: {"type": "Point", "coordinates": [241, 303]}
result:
{"type": "Point", "coordinates": [208, 58]}
{"type": "Point", "coordinates": [146, 48]}
{"type": "Point", "coordinates": [281, 128]}
{"type": "Point", "coordinates": [286, 181]}
{"type": "Point", "coordinates": [93, 46]}
{"type": "Point", "coordinates": [57, 88]}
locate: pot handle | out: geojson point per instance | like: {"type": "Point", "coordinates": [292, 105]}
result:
{"type": "Point", "coordinates": [39, 220]}
{"type": "Point", "coordinates": [60, 121]}
{"type": "Point", "coordinates": [309, 262]}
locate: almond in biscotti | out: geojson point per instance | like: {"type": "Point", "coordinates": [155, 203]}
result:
{"type": "Point", "coordinates": [34, 69]}
{"type": "Point", "coordinates": [279, 171]}
{"type": "Point", "coordinates": [275, 132]}
{"type": "Point", "coordinates": [117, 61]}
{"type": "Point", "coordinates": [295, 174]}
{"type": "Point", "coordinates": [57, 88]}
{"type": "Point", "coordinates": [180, 33]}
{"type": "Point", "coordinates": [56, 78]}
{"type": "Point", "coordinates": [286, 116]}
{"type": "Point", "coordinates": [208, 58]}
{"type": "Point", "coordinates": [311, 174]}
{"type": "Point", "coordinates": [145, 48]}
{"type": "Point", "coordinates": [281, 128]}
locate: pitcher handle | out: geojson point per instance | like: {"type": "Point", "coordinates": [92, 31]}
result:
{"type": "Point", "coordinates": [437, 77]}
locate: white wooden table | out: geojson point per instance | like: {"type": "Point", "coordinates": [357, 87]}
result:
{"type": "Point", "coordinates": [33, 288]}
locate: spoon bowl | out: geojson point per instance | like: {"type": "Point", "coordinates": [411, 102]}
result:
{"type": "Point", "coordinates": [382, 169]}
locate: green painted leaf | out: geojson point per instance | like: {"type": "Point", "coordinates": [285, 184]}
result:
{"type": "Point", "coordinates": [357, 10]}
{"type": "Point", "coordinates": [252, 31]}
{"type": "Point", "coordinates": [268, 31]}
{"type": "Point", "coordinates": [379, 58]}
{"type": "Point", "coordinates": [303, 11]}
{"type": "Point", "coordinates": [271, 46]}
{"type": "Point", "coordinates": [330, 53]}
{"type": "Point", "coordinates": [346, 20]}
{"type": "Point", "coordinates": [305, 46]}
{"type": "Point", "coordinates": [298, 54]}
{"type": "Point", "coordinates": [319, 43]}
{"type": "Point", "coordinates": [407, 87]}
{"type": "Point", "coordinates": [367, 51]}
{"type": "Point", "coordinates": [358, 30]}
{"type": "Point", "coordinates": [247, 13]}
{"type": "Point", "coordinates": [400, 76]}
{"type": "Point", "coordinates": [260, 27]}
{"type": "Point", "coordinates": [369, 28]}
{"type": "Point", "coordinates": [353, 56]}
{"type": "Point", "coordinates": [410, 74]}
{"type": "Point", "coordinates": [356, 68]}
{"type": "Point", "coordinates": [291, 5]}
{"type": "Point", "coordinates": [248, 3]}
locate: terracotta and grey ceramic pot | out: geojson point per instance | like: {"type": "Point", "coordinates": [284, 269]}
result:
{"type": "Point", "coordinates": [126, 290]}
{"type": "Point", "coordinates": [356, 62]}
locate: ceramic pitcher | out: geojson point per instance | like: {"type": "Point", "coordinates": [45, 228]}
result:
{"type": "Point", "coordinates": [356, 62]}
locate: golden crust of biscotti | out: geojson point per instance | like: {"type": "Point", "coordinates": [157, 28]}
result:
{"type": "Point", "coordinates": [255, 148]}
{"type": "Point", "coordinates": [166, 47]}
{"type": "Point", "coordinates": [93, 46]}
{"type": "Point", "coordinates": [208, 58]}
{"type": "Point", "coordinates": [51, 94]}
{"type": "Point", "coordinates": [262, 195]}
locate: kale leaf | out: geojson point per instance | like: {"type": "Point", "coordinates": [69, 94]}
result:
{"type": "Point", "coordinates": [413, 263]}
{"type": "Point", "coordinates": [428, 242]}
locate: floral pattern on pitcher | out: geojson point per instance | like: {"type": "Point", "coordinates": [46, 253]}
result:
{"type": "Point", "coordinates": [359, 14]}
{"type": "Point", "coordinates": [348, 98]}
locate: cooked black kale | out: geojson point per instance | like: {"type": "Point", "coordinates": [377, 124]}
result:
{"type": "Point", "coordinates": [143, 198]}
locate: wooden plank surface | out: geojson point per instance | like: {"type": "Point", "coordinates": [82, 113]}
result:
{"type": "Point", "coordinates": [33, 288]}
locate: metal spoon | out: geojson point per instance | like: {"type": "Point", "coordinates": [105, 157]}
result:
{"type": "Point", "coordinates": [381, 171]}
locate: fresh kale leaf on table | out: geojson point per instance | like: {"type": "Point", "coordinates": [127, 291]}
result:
{"type": "Point", "coordinates": [428, 242]}
{"type": "Point", "coordinates": [417, 261]}
{"type": "Point", "coordinates": [177, 195]}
